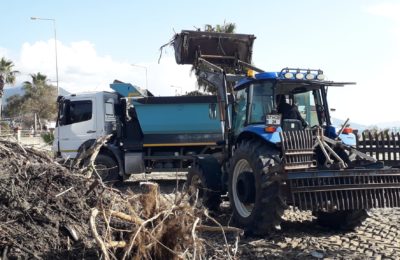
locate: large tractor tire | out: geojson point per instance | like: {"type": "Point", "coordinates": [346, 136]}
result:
{"type": "Point", "coordinates": [204, 184]}
{"type": "Point", "coordinates": [107, 168]}
{"type": "Point", "coordinates": [346, 220]}
{"type": "Point", "coordinates": [255, 195]}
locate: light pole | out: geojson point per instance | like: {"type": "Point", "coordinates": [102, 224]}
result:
{"type": "Point", "coordinates": [143, 67]}
{"type": "Point", "coordinates": [55, 44]}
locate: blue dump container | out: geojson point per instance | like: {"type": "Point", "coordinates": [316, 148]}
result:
{"type": "Point", "coordinates": [180, 121]}
{"type": "Point", "coordinates": [177, 115]}
{"type": "Point", "coordinates": [177, 120]}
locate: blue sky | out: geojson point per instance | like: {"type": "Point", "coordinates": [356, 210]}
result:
{"type": "Point", "coordinates": [99, 40]}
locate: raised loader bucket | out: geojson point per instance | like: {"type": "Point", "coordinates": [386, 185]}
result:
{"type": "Point", "coordinates": [220, 48]}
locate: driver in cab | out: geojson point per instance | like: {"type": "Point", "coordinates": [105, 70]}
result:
{"type": "Point", "coordinates": [289, 111]}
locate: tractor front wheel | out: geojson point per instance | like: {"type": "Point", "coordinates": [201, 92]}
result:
{"type": "Point", "coordinates": [254, 191]}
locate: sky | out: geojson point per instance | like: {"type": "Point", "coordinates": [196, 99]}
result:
{"type": "Point", "coordinates": [99, 41]}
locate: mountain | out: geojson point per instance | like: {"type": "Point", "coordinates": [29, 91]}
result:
{"type": "Point", "coordinates": [339, 122]}
{"type": "Point", "coordinates": [19, 90]}
{"type": "Point", "coordinates": [10, 91]}
{"type": "Point", "coordinates": [392, 126]}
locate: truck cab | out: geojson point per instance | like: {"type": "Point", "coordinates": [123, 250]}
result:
{"type": "Point", "coordinates": [81, 118]}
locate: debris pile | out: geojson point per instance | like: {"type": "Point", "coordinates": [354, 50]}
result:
{"type": "Point", "coordinates": [44, 210]}
{"type": "Point", "coordinates": [50, 212]}
{"type": "Point", "coordinates": [148, 226]}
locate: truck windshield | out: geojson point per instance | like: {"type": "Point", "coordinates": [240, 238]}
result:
{"type": "Point", "coordinates": [262, 102]}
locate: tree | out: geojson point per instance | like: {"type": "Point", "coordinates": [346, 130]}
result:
{"type": "Point", "coordinates": [7, 76]}
{"type": "Point", "coordinates": [224, 28]}
{"type": "Point", "coordinates": [15, 106]}
{"type": "Point", "coordinates": [39, 100]}
{"type": "Point", "coordinates": [195, 93]}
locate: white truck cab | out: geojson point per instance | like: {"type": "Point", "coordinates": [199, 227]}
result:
{"type": "Point", "coordinates": [83, 117]}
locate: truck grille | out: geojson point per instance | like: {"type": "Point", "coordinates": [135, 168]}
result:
{"type": "Point", "coordinates": [364, 190]}
{"type": "Point", "coordinates": [297, 148]}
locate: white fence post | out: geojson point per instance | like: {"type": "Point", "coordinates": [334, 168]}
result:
{"type": "Point", "coordinates": [18, 135]}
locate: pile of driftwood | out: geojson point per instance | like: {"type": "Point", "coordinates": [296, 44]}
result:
{"type": "Point", "coordinates": [149, 226]}
{"type": "Point", "coordinates": [50, 212]}
{"type": "Point", "coordinates": [43, 207]}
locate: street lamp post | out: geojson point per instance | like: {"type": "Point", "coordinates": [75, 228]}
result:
{"type": "Point", "coordinates": [143, 67]}
{"type": "Point", "coordinates": [55, 45]}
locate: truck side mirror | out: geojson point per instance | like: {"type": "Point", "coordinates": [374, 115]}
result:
{"type": "Point", "coordinates": [64, 115]}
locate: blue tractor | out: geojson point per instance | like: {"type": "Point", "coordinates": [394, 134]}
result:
{"type": "Point", "coordinates": [279, 145]}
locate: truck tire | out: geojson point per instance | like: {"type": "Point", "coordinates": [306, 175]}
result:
{"type": "Point", "coordinates": [255, 196]}
{"type": "Point", "coordinates": [206, 186]}
{"type": "Point", "coordinates": [346, 220]}
{"type": "Point", "coordinates": [107, 168]}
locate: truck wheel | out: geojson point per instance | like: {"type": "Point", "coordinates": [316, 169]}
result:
{"type": "Point", "coordinates": [254, 195]}
{"type": "Point", "coordinates": [107, 168]}
{"type": "Point", "coordinates": [341, 220]}
{"type": "Point", "coordinates": [205, 186]}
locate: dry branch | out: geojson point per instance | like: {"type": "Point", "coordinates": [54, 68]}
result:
{"type": "Point", "coordinates": [99, 241]}
{"type": "Point", "coordinates": [205, 228]}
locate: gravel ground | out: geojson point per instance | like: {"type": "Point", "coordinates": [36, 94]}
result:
{"type": "Point", "coordinates": [301, 238]}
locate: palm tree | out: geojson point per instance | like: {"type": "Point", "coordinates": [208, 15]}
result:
{"type": "Point", "coordinates": [224, 28]}
{"type": "Point", "coordinates": [38, 81]}
{"type": "Point", "coordinates": [7, 76]}
{"type": "Point", "coordinates": [38, 97]}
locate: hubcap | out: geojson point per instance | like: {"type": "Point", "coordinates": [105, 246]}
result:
{"type": "Point", "coordinates": [243, 187]}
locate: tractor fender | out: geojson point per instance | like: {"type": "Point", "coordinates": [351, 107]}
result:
{"type": "Point", "coordinates": [258, 131]}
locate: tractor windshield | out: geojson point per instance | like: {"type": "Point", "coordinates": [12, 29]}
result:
{"type": "Point", "coordinates": [253, 103]}
{"type": "Point", "coordinates": [262, 101]}
{"type": "Point", "coordinates": [305, 103]}
{"type": "Point", "coordinates": [307, 99]}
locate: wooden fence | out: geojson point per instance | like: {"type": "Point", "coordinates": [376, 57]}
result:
{"type": "Point", "coordinates": [382, 146]}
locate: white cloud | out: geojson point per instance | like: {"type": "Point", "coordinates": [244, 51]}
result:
{"type": "Point", "coordinates": [3, 52]}
{"type": "Point", "coordinates": [389, 9]}
{"type": "Point", "coordinates": [81, 68]}
{"type": "Point", "coordinates": [379, 89]}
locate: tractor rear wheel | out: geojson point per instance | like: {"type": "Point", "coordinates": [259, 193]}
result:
{"type": "Point", "coordinates": [254, 191]}
{"type": "Point", "coordinates": [341, 220]}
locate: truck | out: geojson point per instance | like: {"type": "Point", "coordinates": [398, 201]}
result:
{"type": "Point", "coordinates": [239, 142]}
{"type": "Point", "coordinates": [149, 134]}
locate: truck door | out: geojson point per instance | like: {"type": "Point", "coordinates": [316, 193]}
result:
{"type": "Point", "coordinates": [77, 124]}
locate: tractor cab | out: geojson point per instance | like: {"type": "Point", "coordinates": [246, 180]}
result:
{"type": "Point", "coordinates": [292, 99]}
